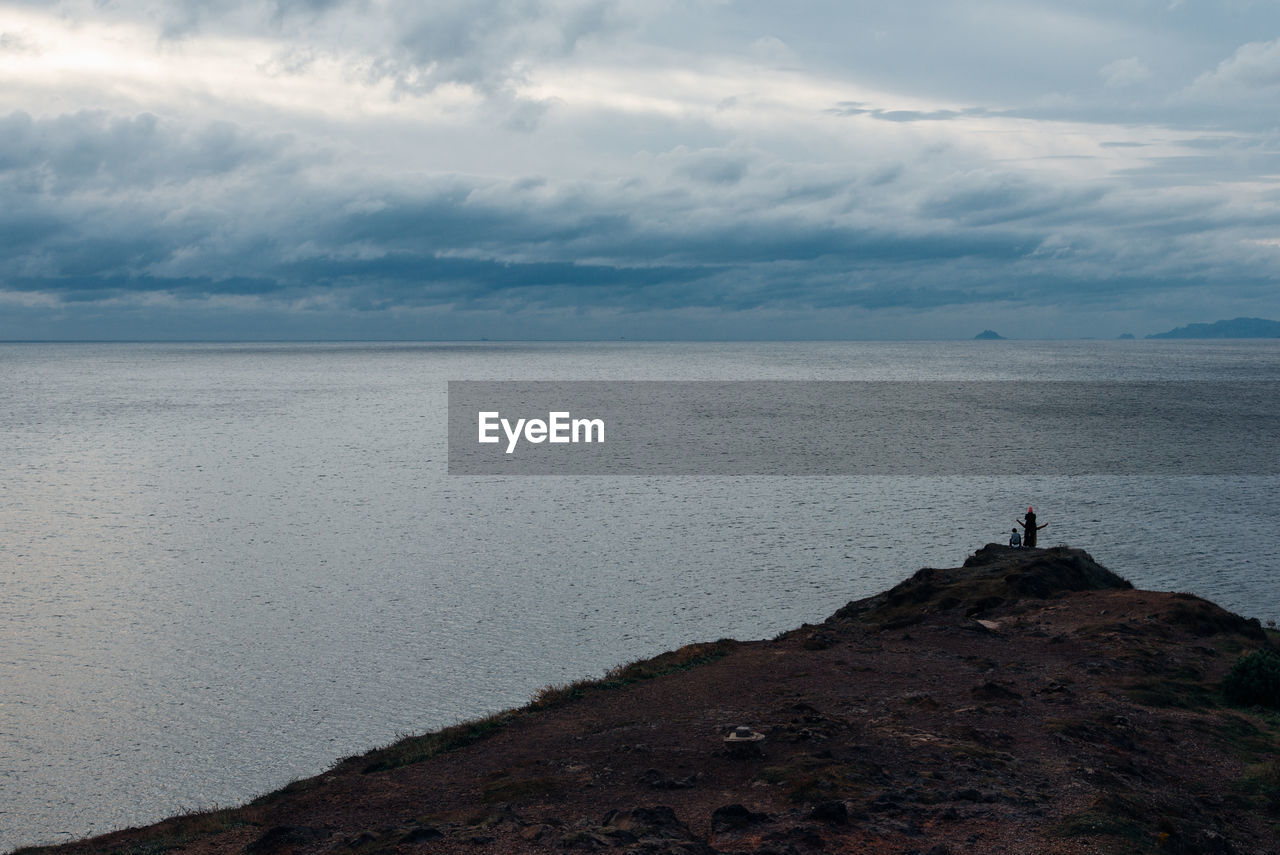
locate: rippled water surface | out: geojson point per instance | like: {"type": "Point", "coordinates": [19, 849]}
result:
{"type": "Point", "coordinates": [223, 567]}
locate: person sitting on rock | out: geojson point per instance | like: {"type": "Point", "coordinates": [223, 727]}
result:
{"type": "Point", "coordinates": [1029, 527]}
{"type": "Point", "coordinates": [1015, 539]}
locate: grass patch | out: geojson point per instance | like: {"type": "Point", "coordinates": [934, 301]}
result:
{"type": "Point", "coordinates": [671, 662]}
{"type": "Point", "coordinates": [806, 778]}
{"type": "Point", "coordinates": [1242, 736]}
{"type": "Point", "coordinates": [301, 785]}
{"type": "Point", "coordinates": [1203, 618]}
{"type": "Point", "coordinates": [1237, 735]}
{"type": "Point", "coordinates": [1259, 786]}
{"type": "Point", "coordinates": [175, 833]}
{"type": "Point", "coordinates": [415, 749]}
{"type": "Point", "coordinates": [689, 656]}
{"type": "Point", "coordinates": [1115, 816]}
{"type": "Point", "coordinates": [1095, 731]}
{"type": "Point", "coordinates": [984, 754]}
{"type": "Point", "coordinates": [507, 789]}
{"type": "Point", "coordinates": [1172, 694]}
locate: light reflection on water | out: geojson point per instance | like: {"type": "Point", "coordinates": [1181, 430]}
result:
{"type": "Point", "coordinates": [226, 566]}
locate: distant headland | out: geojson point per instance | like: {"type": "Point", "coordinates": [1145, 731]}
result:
{"type": "Point", "coordinates": [1235, 328]}
{"type": "Point", "coordinates": [1029, 700]}
{"type": "Point", "coordinates": [988, 335]}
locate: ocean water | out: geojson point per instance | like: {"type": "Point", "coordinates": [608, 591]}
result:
{"type": "Point", "coordinates": [225, 566]}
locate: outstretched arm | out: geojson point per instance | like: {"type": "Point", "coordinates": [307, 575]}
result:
{"type": "Point", "coordinates": [1040, 526]}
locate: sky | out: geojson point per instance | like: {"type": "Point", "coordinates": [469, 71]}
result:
{"type": "Point", "coordinates": [648, 169]}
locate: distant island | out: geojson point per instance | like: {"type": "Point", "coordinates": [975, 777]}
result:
{"type": "Point", "coordinates": [988, 335]}
{"type": "Point", "coordinates": [1236, 328]}
{"type": "Point", "coordinates": [1126, 336]}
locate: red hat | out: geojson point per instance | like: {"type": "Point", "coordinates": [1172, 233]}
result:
{"type": "Point", "coordinates": [1029, 510]}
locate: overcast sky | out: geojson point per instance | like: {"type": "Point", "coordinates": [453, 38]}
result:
{"type": "Point", "coordinates": [638, 168]}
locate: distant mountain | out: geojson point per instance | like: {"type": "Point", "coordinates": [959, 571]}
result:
{"type": "Point", "coordinates": [1237, 328]}
{"type": "Point", "coordinates": [1125, 335]}
{"type": "Point", "coordinates": [988, 335]}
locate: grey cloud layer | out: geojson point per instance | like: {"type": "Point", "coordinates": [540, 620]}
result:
{"type": "Point", "coordinates": [679, 211]}
{"type": "Point", "coordinates": [729, 240]}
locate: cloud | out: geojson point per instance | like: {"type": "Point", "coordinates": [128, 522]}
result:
{"type": "Point", "coordinates": [194, 213]}
{"type": "Point", "coordinates": [535, 157]}
{"type": "Point", "coordinates": [475, 243]}
{"type": "Point", "coordinates": [1251, 73]}
{"type": "Point", "coordinates": [985, 198]}
{"type": "Point", "coordinates": [710, 165]}
{"type": "Point", "coordinates": [17, 43]}
{"type": "Point", "coordinates": [95, 149]}
{"type": "Point", "coordinates": [1124, 72]}
{"type": "Point", "coordinates": [485, 44]}
{"type": "Point", "coordinates": [857, 108]}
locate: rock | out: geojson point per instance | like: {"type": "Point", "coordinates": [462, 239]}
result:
{"type": "Point", "coordinates": [420, 835]}
{"type": "Point", "coordinates": [534, 832]}
{"type": "Point", "coordinates": [583, 839]}
{"type": "Point", "coordinates": [885, 804]}
{"type": "Point", "coordinates": [645, 830]}
{"type": "Point", "coordinates": [818, 640]}
{"type": "Point", "coordinates": [284, 839]}
{"type": "Point", "coordinates": [989, 578]}
{"type": "Point", "coordinates": [802, 835]}
{"type": "Point", "coordinates": [734, 817]}
{"type": "Point", "coordinates": [646, 824]}
{"type": "Point", "coordinates": [658, 781]}
{"type": "Point", "coordinates": [671, 847]}
{"type": "Point", "coordinates": [1210, 842]}
{"type": "Point", "coordinates": [994, 692]}
{"type": "Point", "coordinates": [834, 812]}
{"type": "Point", "coordinates": [647, 821]}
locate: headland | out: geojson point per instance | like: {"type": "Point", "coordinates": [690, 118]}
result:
{"type": "Point", "coordinates": [1029, 700]}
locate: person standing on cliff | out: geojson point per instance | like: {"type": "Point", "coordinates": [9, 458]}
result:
{"type": "Point", "coordinates": [1030, 528]}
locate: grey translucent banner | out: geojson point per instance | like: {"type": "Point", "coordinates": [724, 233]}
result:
{"type": "Point", "coordinates": [863, 428]}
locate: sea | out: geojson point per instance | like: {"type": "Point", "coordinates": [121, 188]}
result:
{"type": "Point", "coordinates": [224, 567]}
